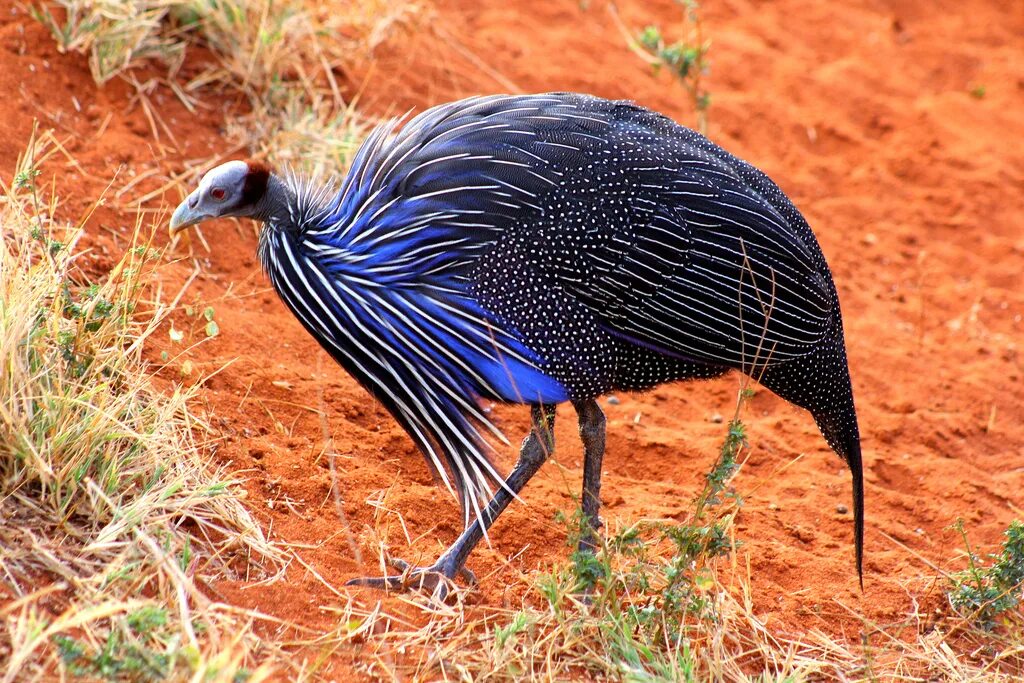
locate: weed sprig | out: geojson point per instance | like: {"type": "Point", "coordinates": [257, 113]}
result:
{"type": "Point", "coordinates": [988, 595]}
{"type": "Point", "coordinates": [686, 58]}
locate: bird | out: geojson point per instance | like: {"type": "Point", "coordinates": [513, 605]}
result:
{"type": "Point", "coordinates": [541, 249]}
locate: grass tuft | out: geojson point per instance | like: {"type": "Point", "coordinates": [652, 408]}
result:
{"type": "Point", "coordinates": [686, 58]}
{"type": "Point", "coordinates": [115, 35]}
{"type": "Point", "coordinates": [643, 606]}
{"type": "Point", "coordinates": [255, 41]}
{"type": "Point", "coordinates": [108, 501]}
{"type": "Point", "coordinates": [313, 136]}
{"type": "Point", "coordinates": [989, 596]}
{"type": "Point", "coordinates": [288, 60]}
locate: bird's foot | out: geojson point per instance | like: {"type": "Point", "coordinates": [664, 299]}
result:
{"type": "Point", "coordinates": [437, 580]}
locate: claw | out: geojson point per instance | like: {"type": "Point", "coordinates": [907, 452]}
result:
{"type": "Point", "coordinates": [436, 579]}
{"type": "Point", "coordinates": [468, 576]}
{"type": "Point", "coordinates": [399, 564]}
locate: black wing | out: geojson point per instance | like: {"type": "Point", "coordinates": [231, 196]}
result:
{"type": "Point", "coordinates": [668, 240]}
{"type": "Point", "coordinates": [695, 252]}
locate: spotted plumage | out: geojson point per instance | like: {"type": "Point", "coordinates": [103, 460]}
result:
{"type": "Point", "coordinates": [548, 248]}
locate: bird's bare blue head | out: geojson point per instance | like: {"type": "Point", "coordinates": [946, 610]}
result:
{"type": "Point", "coordinates": [235, 188]}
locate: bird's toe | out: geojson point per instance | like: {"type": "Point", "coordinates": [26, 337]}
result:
{"type": "Point", "coordinates": [436, 580]}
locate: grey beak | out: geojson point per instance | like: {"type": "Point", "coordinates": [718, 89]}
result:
{"type": "Point", "coordinates": [187, 214]}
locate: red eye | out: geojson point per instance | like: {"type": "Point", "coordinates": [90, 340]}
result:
{"type": "Point", "coordinates": [218, 193]}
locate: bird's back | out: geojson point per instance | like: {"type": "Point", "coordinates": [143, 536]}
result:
{"type": "Point", "coordinates": [592, 228]}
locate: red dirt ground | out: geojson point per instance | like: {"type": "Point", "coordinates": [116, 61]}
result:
{"type": "Point", "coordinates": [862, 112]}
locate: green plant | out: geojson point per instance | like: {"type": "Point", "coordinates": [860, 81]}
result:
{"type": "Point", "coordinates": [686, 59]}
{"type": "Point", "coordinates": [142, 647]}
{"type": "Point", "coordinates": [987, 595]}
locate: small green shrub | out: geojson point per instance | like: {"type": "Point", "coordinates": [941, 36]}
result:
{"type": "Point", "coordinates": [686, 59]}
{"type": "Point", "coordinates": [987, 595]}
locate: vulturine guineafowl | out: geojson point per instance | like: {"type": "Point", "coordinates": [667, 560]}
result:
{"type": "Point", "coordinates": [540, 249]}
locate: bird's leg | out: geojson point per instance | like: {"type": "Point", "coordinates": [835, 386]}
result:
{"type": "Point", "coordinates": [592, 433]}
{"type": "Point", "coordinates": [537, 446]}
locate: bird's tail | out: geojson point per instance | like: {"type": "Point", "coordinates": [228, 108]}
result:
{"type": "Point", "coordinates": [841, 432]}
{"type": "Point", "coordinates": [820, 382]}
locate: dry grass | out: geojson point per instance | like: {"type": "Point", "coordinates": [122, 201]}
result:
{"type": "Point", "coordinates": [284, 56]}
{"type": "Point", "coordinates": [255, 41]}
{"type": "Point", "coordinates": [108, 501]}
{"type": "Point", "coordinates": [115, 35]}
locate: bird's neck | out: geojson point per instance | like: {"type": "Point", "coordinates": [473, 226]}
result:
{"type": "Point", "coordinates": [272, 207]}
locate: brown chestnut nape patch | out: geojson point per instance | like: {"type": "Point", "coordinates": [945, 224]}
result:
{"type": "Point", "coordinates": [255, 185]}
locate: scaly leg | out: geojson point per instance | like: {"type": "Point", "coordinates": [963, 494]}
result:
{"type": "Point", "coordinates": [537, 446]}
{"type": "Point", "coordinates": [592, 433]}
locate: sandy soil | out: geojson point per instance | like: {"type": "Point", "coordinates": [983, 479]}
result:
{"type": "Point", "coordinates": [862, 112]}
